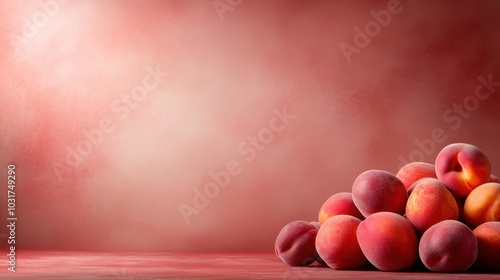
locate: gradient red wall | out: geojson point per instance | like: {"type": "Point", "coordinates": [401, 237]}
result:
{"type": "Point", "coordinates": [116, 112]}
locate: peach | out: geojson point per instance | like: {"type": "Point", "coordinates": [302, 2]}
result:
{"type": "Point", "coordinates": [295, 244]}
{"type": "Point", "coordinates": [488, 240]}
{"type": "Point", "coordinates": [337, 244]}
{"type": "Point", "coordinates": [337, 204]}
{"type": "Point", "coordinates": [482, 205]}
{"type": "Point", "coordinates": [429, 203]}
{"type": "Point", "coordinates": [448, 246]}
{"type": "Point", "coordinates": [388, 241]}
{"type": "Point", "coordinates": [462, 167]}
{"type": "Point", "coordinates": [376, 191]}
{"type": "Point", "coordinates": [413, 171]}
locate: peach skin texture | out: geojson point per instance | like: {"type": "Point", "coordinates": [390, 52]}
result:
{"type": "Point", "coordinates": [429, 203]}
{"type": "Point", "coordinates": [337, 244]}
{"type": "Point", "coordinates": [448, 246]}
{"type": "Point", "coordinates": [295, 243]}
{"type": "Point", "coordinates": [171, 125]}
{"type": "Point", "coordinates": [482, 205]}
{"type": "Point", "coordinates": [488, 239]}
{"type": "Point", "coordinates": [388, 241]}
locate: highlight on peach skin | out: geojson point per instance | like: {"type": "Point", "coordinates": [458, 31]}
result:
{"type": "Point", "coordinates": [488, 239]}
{"type": "Point", "coordinates": [448, 246]}
{"type": "Point", "coordinates": [377, 190]}
{"type": "Point", "coordinates": [388, 241]}
{"type": "Point", "coordinates": [429, 203]}
{"type": "Point", "coordinates": [462, 168]}
{"type": "Point", "coordinates": [337, 243]}
{"type": "Point", "coordinates": [414, 171]}
{"type": "Point", "coordinates": [338, 204]}
{"type": "Point", "coordinates": [482, 205]}
{"type": "Point", "coordinates": [295, 244]}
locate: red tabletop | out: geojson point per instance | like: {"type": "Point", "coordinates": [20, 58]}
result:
{"type": "Point", "coordinates": [107, 265]}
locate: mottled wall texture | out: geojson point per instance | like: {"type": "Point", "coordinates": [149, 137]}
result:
{"type": "Point", "coordinates": [208, 125]}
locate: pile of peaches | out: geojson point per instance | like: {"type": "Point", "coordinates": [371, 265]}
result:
{"type": "Point", "coordinates": [445, 217]}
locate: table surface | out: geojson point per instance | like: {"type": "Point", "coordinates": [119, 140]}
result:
{"type": "Point", "coordinates": [107, 265]}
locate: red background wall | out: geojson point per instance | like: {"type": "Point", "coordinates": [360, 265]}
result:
{"type": "Point", "coordinates": [70, 68]}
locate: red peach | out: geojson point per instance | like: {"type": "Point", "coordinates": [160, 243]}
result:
{"type": "Point", "coordinates": [482, 205]}
{"type": "Point", "coordinates": [448, 246]}
{"type": "Point", "coordinates": [388, 241]}
{"type": "Point", "coordinates": [462, 167]}
{"type": "Point", "coordinates": [295, 244]}
{"type": "Point", "coordinates": [413, 171]}
{"type": "Point", "coordinates": [429, 203]}
{"type": "Point", "coordinates": [337, 204]}
{"type": "Point", "coordinates": [376, 191]}
{"type": "Point", "coordinates": [488, 239]}
{"type": "Point", "coordinates": [337, 244]}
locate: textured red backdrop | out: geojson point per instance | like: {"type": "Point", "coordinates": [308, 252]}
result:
{"type": "Point", "coordinates": [117, 112]}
